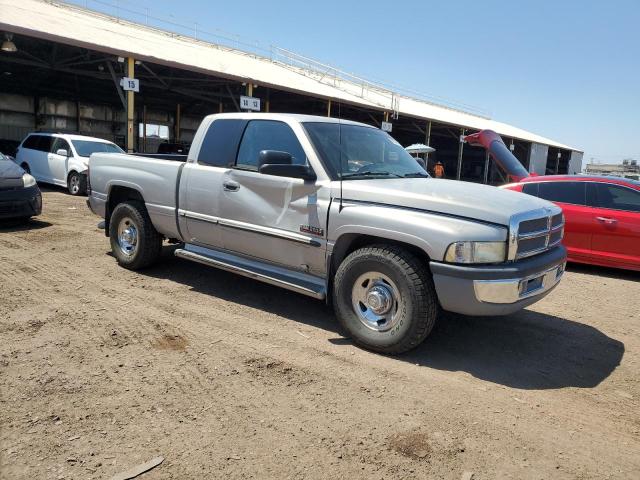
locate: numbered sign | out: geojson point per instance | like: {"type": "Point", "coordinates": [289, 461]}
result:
{"type": "Point", "coordinates": [249, 103]}
{"type": "Point", "coordinates": [387, 127]}
{"type": "Point", "coordinates": [132, 84]}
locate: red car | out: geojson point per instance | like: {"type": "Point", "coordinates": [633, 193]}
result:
{"type": "Point", "coordinates": [602, 216]}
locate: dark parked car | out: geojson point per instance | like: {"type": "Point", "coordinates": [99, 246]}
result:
{"type": "Point", "coordinates": [20, 196]}
{"type": "Point", "coordinates": [174, 148]}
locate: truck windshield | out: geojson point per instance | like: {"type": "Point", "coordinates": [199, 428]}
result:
{"type": "Point", "coordinates": [354, 152]}
{"type": "Point", "coordinates": [84, 148]}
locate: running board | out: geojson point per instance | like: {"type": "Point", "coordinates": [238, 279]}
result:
{"type": "Point", "coordinates": [281, 277]}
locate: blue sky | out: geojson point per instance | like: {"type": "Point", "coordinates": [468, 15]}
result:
{"type": "Point", "coordinates": [568, 70]}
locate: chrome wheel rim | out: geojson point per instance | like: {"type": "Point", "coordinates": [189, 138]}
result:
{"type": "Point", "coordinates": [74, 182]}
{"type": "Point", "coordinates": [376, 301]}
{"type": "Point", "coordinates": [127, 236]}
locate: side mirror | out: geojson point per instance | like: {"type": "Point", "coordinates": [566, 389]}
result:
{"type": "Point", "coordinates": [62, 152]}
{"type": "Point", "coordinates": [293, 171]}
{"type": "Point", "coordinates": [274, 157]}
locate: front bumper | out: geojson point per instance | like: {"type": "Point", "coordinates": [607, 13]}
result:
{"type": "Point", "coordinates": [501, 289]}
{"type": "Point", "coordinates": [20, 202]}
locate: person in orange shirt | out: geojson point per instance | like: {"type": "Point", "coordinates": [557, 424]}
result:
{"type": "Point", "coordinates": [439, 170]}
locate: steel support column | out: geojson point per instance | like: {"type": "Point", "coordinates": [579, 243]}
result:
{"type": "Point", "coordinates": [427, 141]}
{"type": "Point", "coordinates": [176, 126]}
{"type": "Point", "coordinates": [144, 128]}
{"type": "Point", "coordinates": [130, 106]}
{"type": "Point", "coordinates": [329, 108]}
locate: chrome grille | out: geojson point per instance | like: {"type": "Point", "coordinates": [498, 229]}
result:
{"type": "Point", "coordinates": [535, 233]}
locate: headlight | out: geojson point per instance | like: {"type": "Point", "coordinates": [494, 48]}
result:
{"type": "Point", "coordinates": [28, 180]}
{"type": "Point", "coordinates": [476, 252]}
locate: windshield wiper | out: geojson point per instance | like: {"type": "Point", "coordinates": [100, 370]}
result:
{"type": "Point", "coordinates": [416, 175]}
{"type": "Point", "coordinates": [370, 173]}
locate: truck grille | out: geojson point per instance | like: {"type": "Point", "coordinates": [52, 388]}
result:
{"type": "Point", "coordinates": [535, 234]}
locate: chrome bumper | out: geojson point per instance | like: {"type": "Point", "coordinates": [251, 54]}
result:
{"type": "Point", "coordinates": [515, 289]}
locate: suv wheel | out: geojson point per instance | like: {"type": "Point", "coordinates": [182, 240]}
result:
{"type": "Point", "coordinates": [77, 183]}
{"type": "Point", "coordinates": [134, 241]}
{"type": "Point", "coordinates": [385, 299]}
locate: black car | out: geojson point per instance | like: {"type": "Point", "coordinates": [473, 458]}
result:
{"type": "Point", "coordinates": [174, 148]}
{"type": "Point", "coordinates": [20, 196]}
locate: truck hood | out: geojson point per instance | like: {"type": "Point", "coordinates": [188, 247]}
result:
{"type": "Point", "coordinates": [451, 197]}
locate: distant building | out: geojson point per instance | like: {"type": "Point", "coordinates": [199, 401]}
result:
{"type": "Point", "coordinates": [628, 169]}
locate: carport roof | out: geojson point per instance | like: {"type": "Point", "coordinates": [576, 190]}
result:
{"type": "Point", "coordinates": [69, 24]}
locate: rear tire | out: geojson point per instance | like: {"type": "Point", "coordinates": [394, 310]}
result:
{"type": "Point", "coordinates": [385, 299]}
{"type": "Point", "coordinates": [134, 241]}
{"type": "Point", "coordinates": [77, 184]}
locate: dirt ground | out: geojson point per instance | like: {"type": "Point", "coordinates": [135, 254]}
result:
{"type": "Point", "coordinates": [102, 369]}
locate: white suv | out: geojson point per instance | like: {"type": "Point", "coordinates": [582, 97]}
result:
{"type": "Point", "coordinates": [60, 158]}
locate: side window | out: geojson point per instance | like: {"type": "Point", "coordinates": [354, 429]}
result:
{"type": "Point", "coordinates": [59, 143]}
{"type": "Point", "coordinates": [268, 135]}
{"type": "Point", "coordinates": [563, 192]}
{"type": "Point", "coordinates": [31, 142]}
{"type": "Point", "coordinates": [44, 143]}
{"type": "Point", "coordinates": [530, 189]}
{"type": "Point", "coordinates": [220, 143]}
{"type": "Point", "coordinates": [616, 197]}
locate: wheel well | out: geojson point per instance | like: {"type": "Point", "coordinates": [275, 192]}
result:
{"type": "Point", "coordinates": [119, 195]}
{"type": "Point", "coordinates": [73, 171]}
{"type": "Point", "coordinates": [351, 242]}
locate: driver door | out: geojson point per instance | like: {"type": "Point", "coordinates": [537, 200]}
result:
{"type": "Point", "coordinates": [272, 218]}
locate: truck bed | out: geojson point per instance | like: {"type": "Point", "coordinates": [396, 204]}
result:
{"type": "Point", "coordinates": [154, 178]}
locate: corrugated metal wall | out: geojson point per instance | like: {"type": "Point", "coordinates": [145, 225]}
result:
{"type": "Point", "coordinates": [575, 163]}
{"type": "Point", "coordinates": [538, 158]}
{"type": "Point", "coordinates": [21, 114]}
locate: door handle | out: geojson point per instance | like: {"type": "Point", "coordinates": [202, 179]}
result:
{"type": "Point", "coordinates": [607, 220]}
{"type": "Point", "coordinates": [231, 186]}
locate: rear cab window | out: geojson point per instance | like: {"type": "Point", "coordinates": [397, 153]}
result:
{"type": "Point", "coordinates": [220, 143]}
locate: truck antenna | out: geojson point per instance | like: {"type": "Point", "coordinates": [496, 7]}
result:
{"type": "Point", "coordinates": [340, 150]}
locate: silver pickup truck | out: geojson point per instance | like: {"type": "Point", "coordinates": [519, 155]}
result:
{"type": "Point", "coordinates": [336, 210]}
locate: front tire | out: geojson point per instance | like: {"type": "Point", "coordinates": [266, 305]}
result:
{"type": "Point", "coordinates": [77, 184]}
{"type": "Point", "coordinates": [134, 241]}
{"type": "Point", "coordinates": [385, 299]}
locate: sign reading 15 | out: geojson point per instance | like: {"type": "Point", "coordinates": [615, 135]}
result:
{"type": "Point", "coordinates": [249, 103]}
{"type": "Point", "coordinates": [130, 84]}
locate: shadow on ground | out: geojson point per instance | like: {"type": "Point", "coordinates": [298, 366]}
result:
{"type": "Point", "coordinates": [21, 225]}
{"type": "Point", "coordinates": [606, 272]}
{"type": "Point", "coordinates": [526, 350]}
